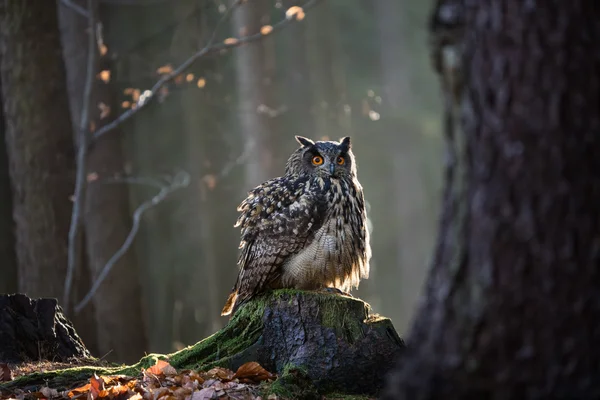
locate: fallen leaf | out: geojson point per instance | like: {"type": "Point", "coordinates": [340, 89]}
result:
{"type": "Point", "coordinates": [96, 388]}
{"type": "Point", "coordinates": [204, 394]}
{"type": "Point", "coordinates": [223, 374]}
{"type": "Point", "coordinates": [104, 76]}
{"type": "Point", "coordinates": [266, 29]}
{"type": "Point", "coordinates": [252, 372]}
{"type": "Point", "coordinates": [5, 373]}
{"type": "Point", "coordinates": [48, 393]}
{"type": "Point", "coordinates": [230, 41]}
{"type": "Point", "coordinates": [162, 367]}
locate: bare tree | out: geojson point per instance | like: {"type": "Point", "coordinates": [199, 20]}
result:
{"type": "Point", "coordinates": [106, 217]}
{"type": "Point", "coordinates": [39, 142]}
{"type": "Point", "coordinates": [8, 267]}
{"type": "Point", "coordinates": [511, 308]}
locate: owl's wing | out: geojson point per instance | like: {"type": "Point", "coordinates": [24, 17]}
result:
{"type": "Point", "coordinates": [278, 219]}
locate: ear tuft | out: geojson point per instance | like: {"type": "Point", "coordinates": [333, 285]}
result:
{"type": "Point", "coordinates": [345, 143]}
{"type": "Point", "coordinates": [304, 141]}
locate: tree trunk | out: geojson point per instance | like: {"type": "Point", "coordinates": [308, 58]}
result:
{"type": "Point", "coordinates": [106, 212]}
{"type": "Point", "coordinates": [512, 308]}
{"type": "Point", "coordinates": [8, 267]}
{"type": "Point", "coordinates": [39, 142]}
{"type": "Point", "coordinates": [255, 69]}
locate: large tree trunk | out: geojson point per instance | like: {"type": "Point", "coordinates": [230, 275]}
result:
{"type": "Point", "coordinates": [39, 142]}
{"type": "Point", "coordinates": [8, 267]}
{"type": "Point", "coordinates": [106, 210]}
{"type": "Point", "coordinates": [512, 308]}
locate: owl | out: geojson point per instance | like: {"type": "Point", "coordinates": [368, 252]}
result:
{"type": "Point", "coordinates": [305, 230]}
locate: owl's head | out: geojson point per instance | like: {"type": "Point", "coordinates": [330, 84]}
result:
{"type": "Point", "coordinates": [323, 158]}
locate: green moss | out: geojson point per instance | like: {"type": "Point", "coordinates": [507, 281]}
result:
{"type": "Point", "coordinates": [293, 383]}
{"type": "Point", "coordinates": [242, 331]}
{"type": "Point", "coordinates": [337, 314]}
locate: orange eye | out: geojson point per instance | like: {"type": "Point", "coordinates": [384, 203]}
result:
{"type": "Point", "coordinates": [340, 160]}
{"type": "Point", "coordinates": [317, 160]}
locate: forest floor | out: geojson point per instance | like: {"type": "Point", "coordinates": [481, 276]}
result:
{"type": "Point", "coordinates": [163, 381]}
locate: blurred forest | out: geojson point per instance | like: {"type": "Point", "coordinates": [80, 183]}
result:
{"type": "Point", "coordinates": [355, 68]}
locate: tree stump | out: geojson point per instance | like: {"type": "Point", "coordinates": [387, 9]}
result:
{"type": "Point", "coordinates": [319, 342]}
{"type": "Point", "coordinates": [33, 330]}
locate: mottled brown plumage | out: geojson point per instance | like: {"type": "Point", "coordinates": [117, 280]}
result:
{"type": "Point", "coordinates": [306, 229]}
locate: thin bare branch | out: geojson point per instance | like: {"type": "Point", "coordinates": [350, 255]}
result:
{"type": "Point", "coordinates": [81, 145]}
{"type": "Point", "coordinates": [210, 48]}
{"type": "Point", "coordinates": [77, 8]}
{"type": "Point", "coordinates": [180, 180]}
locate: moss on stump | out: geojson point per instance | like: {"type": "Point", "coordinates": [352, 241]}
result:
{"type": "Point", "coordinates": [334, 339]}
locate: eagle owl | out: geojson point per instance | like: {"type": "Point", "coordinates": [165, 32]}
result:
{"type": "Point", "coordinates": [304, 230]}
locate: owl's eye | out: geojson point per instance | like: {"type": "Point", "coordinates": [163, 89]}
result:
{"type": "Point", "coordinates": [340, 160]}
{"type": "Point", "coordinates": [317, 160]}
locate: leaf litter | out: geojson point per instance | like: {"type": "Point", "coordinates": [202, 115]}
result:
{"type": "Point", "coordinates": [162, 381]}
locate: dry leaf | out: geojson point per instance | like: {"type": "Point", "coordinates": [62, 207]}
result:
{"type": "Point", "coordinates": [104, 110]}
{"type": "Point", "coordinates": [223, 374]}
{"type": "Point", "coordinates": [49, 393]}
{"type": "Point", "coordinates": [165, 69]}
{"type": "Point", "coordinates": [230, 41]}
{"type": "Point", "coordinates": [126, 104]}
{"type": "Point", "coordinates": [252, 372]}
{"type": "Point", "coordinates": [156, 369]}
{"type": "Point", "coordinates": [204, 394]}
{"type": "Point", "coordinates": [201, 83]}
{"type": "Point", "coordinates": [266, 29]}
{"type": "Point", "coordinates": [295, 12]}
{"type": "Point", "coordinates": [104, 76]}
{"type": "Point", "coordinates": [189, 77]}
{"type": "Point", "coordinates": [5, 373]}
{"type": "Point", "coordinates": [103, 49]}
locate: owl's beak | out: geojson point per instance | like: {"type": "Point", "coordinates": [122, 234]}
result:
{"type": "Point", "coordinates": [331, 168]}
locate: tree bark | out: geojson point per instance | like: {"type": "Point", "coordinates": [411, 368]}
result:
{"type": "Point", "coordinates": [255, 69]}
{"type": "Point", "coordinates": [334, 343]}
{"type": "Point", "coordinates": [8, 267]}
{"type": "Point", "coordinates": [512, 307]}
{"type": "Point", "coordinates": [106, 212]}
{"type": "Point", "coordinates": [39, 142]}
{"type": "Point", "coordinates": [36, 329]}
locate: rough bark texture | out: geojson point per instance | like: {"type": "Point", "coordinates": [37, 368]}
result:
{"type": "Point", "coordinates": [255, 69]}
{"type": "Point", "coordinates": [333, 341]}
{"type": "Point", "coordinates": [8, 267]}
{"type": "Point", "coordinates": [33, 330]}
{"type": "Point", "coordinates": [39, 142]}
{"type": "Point", "coordinates": [512, 308]}
{"type": "Point", "coordinates": [107, 220]}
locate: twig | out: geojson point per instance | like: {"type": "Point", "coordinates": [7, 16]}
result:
{"type": "Point", "coordinates": [81, 142]}
{"type": "Point", "coordinates": [181, 180]}
{"type": "Point", "coordinates": [206, 50]}
{"type": "Point", "coordinates": [77, 8]}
